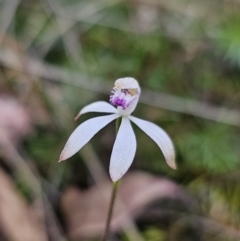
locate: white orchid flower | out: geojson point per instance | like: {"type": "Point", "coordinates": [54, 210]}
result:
{"type": "Point", "coordinates": [125, 95]}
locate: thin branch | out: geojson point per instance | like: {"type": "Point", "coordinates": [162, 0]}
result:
{"type": "Point", "coordinates": [152, 98]}
{"type": "Point", "coordinates": [7, 14]}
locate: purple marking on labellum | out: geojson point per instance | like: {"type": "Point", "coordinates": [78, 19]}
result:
{"type": "Point", "coordinates": [122, 98]}
{"type": "Point", "coordinates": [119, 101]}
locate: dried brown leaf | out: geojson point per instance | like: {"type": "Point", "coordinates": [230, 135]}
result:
{"type": "Point", "coordinates": [17, 221]}
{"type": "Point", "coordinates": [86, 211]}
{"type": "Point", "coordinates": [15, 121]}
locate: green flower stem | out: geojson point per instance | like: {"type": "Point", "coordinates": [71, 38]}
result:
{"type": "Point", "coordinates": [113, 197]}
{"type": "Point", "coordinates": [110, 210]}
{"type": "Point", "coordinates": [118, 123]}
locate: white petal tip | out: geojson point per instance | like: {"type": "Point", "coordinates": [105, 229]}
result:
{"type": "Point", "coordinates": [116, 175]}
{"type": "Point", "coordinates": [173, 167]}
{"type": "Point", "coordinates": [115, 179]}
{"type": "Point", "coordinates": [62, 157]}
{"type": "Point", "coordinates": [172, 164]}
{"type": "Point", "coordinates": [76, 118]}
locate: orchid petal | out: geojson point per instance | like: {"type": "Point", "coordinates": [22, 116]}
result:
{"type": "Point", "coordinates": [160, 137]}
{"type": "Point", "coordinates": [123, 150]}
{"type": "Point", "coordinates": [98, 106]}
{"type": "Point", "coordinates": [83, 133]}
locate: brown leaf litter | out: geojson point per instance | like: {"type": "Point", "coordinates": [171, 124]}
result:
{"type": "Point", "coordinates": [17, 220]}
{"type": "Point", "coordinates": [85, 211]}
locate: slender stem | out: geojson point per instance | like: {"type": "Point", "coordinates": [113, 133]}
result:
{"type": "Point", "coordinates": [110, 210]}
{"type": "Point", "coordinates": [113, 196]}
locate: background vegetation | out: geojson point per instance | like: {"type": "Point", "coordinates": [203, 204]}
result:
{"type": "Point", "coordinates": [57, 56]}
